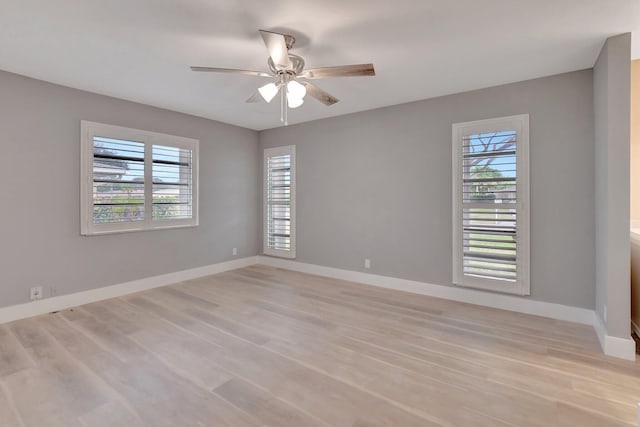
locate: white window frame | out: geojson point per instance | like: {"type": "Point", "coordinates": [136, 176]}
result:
{"type": "Point", "coordinates": [88, 131]}
{"type": "Point", "coordinates": [519, 123]}
{"type": "Point", "coordinates": [270, 152]}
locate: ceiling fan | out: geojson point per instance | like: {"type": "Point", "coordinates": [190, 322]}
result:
{"type": "Point", "coordinates": [291, 76]}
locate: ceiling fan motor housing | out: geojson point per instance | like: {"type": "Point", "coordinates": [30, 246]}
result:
{"type": "Point", "coordinates": [295, 67]}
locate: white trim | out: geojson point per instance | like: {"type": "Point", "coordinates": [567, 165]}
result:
{"type": "Point", "coordinates": [269, 152]}
{"type": "Point", "coordinates": [519, 123]}
{"type": "Point", "coordinates": [454, 293]}
{"type": "Point", "coordinates": [35, 308]}
{"type": "Point", "coordinates": [623, 348]}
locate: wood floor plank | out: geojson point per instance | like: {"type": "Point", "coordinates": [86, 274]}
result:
{"type": "Point", "coordinates": [423, 392]}
{"type": "Point", "coordinates": [55, 387]}
{"type": "Point", "coordinates": [185, 354]}
{"type": "Point", "coordinates": [287, 280]}
{"type": "Point", "coordinates": [13, 357]}
{"type": "Point", "coordinates": [223, 324]}
{"type": "Point", "coordinates": [8, 413]}
{"type": "Point", "coordinates": [112, 414]}
{"type": "Point", "coordinates": [371, 302]}
{"type": "Point", "coordinates": [264, 406]}
{"type": "Point", "coordinates": [272, 324]}
{"type": "Point", "coordinates": [494, 346]}
{"type": "Point", "coordinates": [158, 396]}
{"type": "Point", "coordinates": [144, 303]}
{"type": "Point", "coordinates": [333, 401]}
{"type": "Point", "coordinates": [365, 308]}
{"type": "Point", "coordinates": [438, 373]}
{"type": "Point", "coordinates": [271, 371]}
{"type": "Point", "coordinates": [525, 377]}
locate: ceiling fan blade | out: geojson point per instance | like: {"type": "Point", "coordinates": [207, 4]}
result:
{"type": "Point", "coordinates": [277, 47]}
{"type": "Point", "coordinates": [256, 97]}
{"type": "Point", "coordinates": [319, 94]}
{"type": "Point", "coordinates": [339, 71]}
{"type": "Point", "coordinates": [232, 71]}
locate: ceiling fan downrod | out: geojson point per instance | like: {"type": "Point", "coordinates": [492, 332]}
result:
{"type": "Point", "coordinates": [283, 100]}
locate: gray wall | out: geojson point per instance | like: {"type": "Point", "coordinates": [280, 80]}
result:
{"type": "Point", "coordinates": [40, 242]}
{"type": "Point", "coordinates": [612, 105]}
{"type": "Point", "coordinates": [377, 185]}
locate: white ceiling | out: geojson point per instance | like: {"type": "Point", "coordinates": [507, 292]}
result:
{"type": "Point", "coordinates": [141, 50]}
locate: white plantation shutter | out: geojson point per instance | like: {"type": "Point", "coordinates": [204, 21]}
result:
{"type": "Point", "coordinates": [136, 180]}
{"type": "Point", "coordinates": [279, 201]}
{"type": "Point", "coordinates": [172, 182]}
{"type": "Point", "coordinates": [491, 191]}
{"type": "Point", "coordinates": [118, 180]}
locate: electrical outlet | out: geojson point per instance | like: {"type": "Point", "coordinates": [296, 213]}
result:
{"type": "Point", "coordinates": [367, 263]}
{"type": "Point", "coordinates": [36, 293]}
{"type": "Point", "coordinates": [234, 251]}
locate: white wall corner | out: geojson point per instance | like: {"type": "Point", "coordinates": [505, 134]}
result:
{"type": "Point", "coordinates": [62, 302]}
{"type": "Point", "coordinates": [623, 348]}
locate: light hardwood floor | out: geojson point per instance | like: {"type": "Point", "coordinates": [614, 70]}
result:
{"type": "Point", "coordinates": [266, 347]}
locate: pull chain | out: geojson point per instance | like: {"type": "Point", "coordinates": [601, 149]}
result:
{"type": "Point", "coordinates": [284, 113]}
{"type": "Point", "coordinates": [282, 105]}
{"type": "Point", "coordinates": [286, 105]}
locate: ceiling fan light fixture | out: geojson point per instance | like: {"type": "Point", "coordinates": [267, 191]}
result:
{"type": "Point", "coordinates": [296, 90]}
{"type": "Point", "coordinates": [268, 91]}
{"type": "Point", "coordinates": [294, 102]}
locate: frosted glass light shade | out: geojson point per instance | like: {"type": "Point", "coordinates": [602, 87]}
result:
{"type": "Point", "coordinates": [296, 90]}
{"type": "Point", "coordinates": [268, 91]}
{"type": "Point", "coordinates": [294, 102]}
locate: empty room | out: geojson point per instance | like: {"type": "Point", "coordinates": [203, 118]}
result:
{"type": "Point", "coordinates": [326, 214]}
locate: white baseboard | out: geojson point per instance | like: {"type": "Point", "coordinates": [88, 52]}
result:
{"type": "Point", "coordinates": [612, 346]}
{"type": "Point", "coordinates": [623, 348]}
{"type": "Point", "coordinates": [43, 306]}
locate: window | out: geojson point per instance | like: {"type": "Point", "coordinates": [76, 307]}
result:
{"type": "Point", "coordinates": [136, 180]}
{"type": "Point", "coordinates": [491, 204]}
{"type": "Point", "coordinates": [280, 201]}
